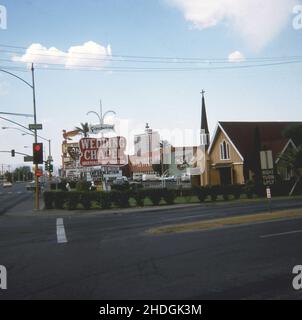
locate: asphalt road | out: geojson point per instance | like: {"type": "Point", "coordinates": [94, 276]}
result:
{"type": "Point", "coordinates": [112, 257]}
{"type": "Point", "coordinates": [10, 197]}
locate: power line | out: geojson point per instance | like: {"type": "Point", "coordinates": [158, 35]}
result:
{"type": "Point", "coordinates": [150, 59]}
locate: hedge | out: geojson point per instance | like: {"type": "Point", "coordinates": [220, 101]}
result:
{"type": "Point", "coordinates": [121, 198]}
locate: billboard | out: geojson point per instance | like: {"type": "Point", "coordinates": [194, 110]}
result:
{"type": "Point", "coordinates": [103, 152]}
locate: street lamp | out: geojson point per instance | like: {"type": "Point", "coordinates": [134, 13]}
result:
{"type": "Point", "coordinates": [32, 86]}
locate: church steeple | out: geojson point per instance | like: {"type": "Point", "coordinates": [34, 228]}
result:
{"type": "Point", "coordinates": [204, 137]}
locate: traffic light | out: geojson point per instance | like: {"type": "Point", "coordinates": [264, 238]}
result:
{"type": "Point", "coordinates": [38, 153]}
{"type": "Point", "coordinates": [13, 153]}
{"type": "Point", "coordinates": [46, 166]}
{"type": "Point", "coordinates": [50, 168]}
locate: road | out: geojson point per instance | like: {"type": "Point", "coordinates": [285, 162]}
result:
{"type": "Point", "coordinates": [112, 257]}
{"type": "Point", "coordinates": [10, 197]}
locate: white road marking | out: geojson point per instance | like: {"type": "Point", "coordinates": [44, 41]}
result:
{"type": "Point", "coordinates": [61, 235]}
{"type": "Point", "coordinates": [280, 234]}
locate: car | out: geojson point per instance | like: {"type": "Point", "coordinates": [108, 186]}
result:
{"type": "Point", "coordinates": [7, 184]}
{"type": "Point", "coordinates": [120, 181]}
{"type": "Point", "coordinates": [32, 185]}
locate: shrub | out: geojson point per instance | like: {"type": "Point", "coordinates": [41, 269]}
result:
{"type": "Point", "coordinates": [82, 186]}
{"type": "Point", "coordinates": [169, 196]}
{"type": "Point", "coordinates": [73, 199]}
{"type": "Point", "coordinates": [48, 198]}
{"type": "Point", "coordinates": [226, 192]}
{"type": "Point", "coordinates": [139, 197]}
{"type": "Point", "coordinates": [249, 191]}
{"type": "Point", "coordinates": [105, 199]}
{"type": "Point", "coordinates": [214, 191]}
{"type": "Point", "coordinates": [121, 198]}
{"type": "Point", "coordinates": [120, 187]}
{"type": "Point", "coordinates": [59, 199]}
{"type": "Point", "coordinates": [236, 191]}
{"type": "Point", "coordinates": [201, 193]}
{"type": "Point", "coordinates": [86, 200]}
{"type": "Point", "coordinates": [155, 196]}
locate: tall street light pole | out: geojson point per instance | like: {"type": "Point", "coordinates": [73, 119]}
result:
{"type": "Point", "coordinates": [32, 86]}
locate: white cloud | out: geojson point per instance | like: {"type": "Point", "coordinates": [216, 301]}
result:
{"type": "Point", "coordinates": [90, 54]}
{"type": "Point", "coordinates": [257, 21]}
{"type": "Point", "coordinates": [236, 56]}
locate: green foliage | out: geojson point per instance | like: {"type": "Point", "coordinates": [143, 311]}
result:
{"type": "Point", "coordinates": [86, 199]}
{"type": "Point", "coordinates": [139, 197]}
{"type": "Point", "coordinates": [83, 186]}
{"type": "Point", "coordinates": [201, 193]}
{"type": "Point", "coordinates": [214, 191]}
{"type": "Point", "coordinates": [155, 195]}
{"type": "Point", "coordinates": [72, 199]}
{"type": "Point", "coordinates": [49, 198]}
{"type": "Point", "coordinates": [105, 199]}
{"type": "Point", "coordinates": [59, 199]}
{"type": "Point", "coordinates": [121, 198]}
{"type": "Point", "coordinates": [169, 196]}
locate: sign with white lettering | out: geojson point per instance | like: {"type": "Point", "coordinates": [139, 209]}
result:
{"type": "Point", "coordinates": [103, 152]}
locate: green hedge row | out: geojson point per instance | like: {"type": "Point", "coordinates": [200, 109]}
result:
{"type": "Point", "coordinates": [71, 200]}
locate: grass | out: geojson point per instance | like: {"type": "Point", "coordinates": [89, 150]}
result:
{"type": "Point", "coordinates": [223, 222]}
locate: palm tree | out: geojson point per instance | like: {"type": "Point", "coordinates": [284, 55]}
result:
{"type": "Point", "coordinates": [84, 129]}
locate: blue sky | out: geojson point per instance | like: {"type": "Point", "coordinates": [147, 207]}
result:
{"type": "Point", "coordinates": [161, 28]}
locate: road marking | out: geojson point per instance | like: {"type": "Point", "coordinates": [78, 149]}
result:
{"type": "Point", "coordinates": [280, 234]}
{"type": "Point", "coordinates": [61, 235]}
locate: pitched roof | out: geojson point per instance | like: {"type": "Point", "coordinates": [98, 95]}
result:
{"type": "Point", "coordinates": [249, 137]}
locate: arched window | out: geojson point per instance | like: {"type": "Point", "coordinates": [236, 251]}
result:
{"type": "Point", "coordinates": [224, 151]}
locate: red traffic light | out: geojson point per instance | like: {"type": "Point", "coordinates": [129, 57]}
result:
{"type": "Point", "coordinates": [37, 147]}
{"type": "Point", "coordinates": [38, 153]}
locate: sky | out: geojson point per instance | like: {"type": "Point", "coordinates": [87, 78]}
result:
{"type": "Point", "coordinates": [119, 51]}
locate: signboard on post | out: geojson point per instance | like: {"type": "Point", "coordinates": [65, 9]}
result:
{"type": "Point", "coordinates": [28, 159]}
{"type": "Point", "coordinates": [103, 151]}
{"type": "Point", "coordinates": [39, 173]}
{"type": "Point", "coordinates": [267, 166]}
{"type": "Point", "coordinates": [35, 127]}
{"type": "Point", "coordinates": [268, 177]}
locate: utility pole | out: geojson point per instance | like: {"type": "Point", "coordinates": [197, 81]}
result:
{"type": "Point", "coordinates": [37, 202]}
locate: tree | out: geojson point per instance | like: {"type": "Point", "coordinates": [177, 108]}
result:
{"type": "Point", "coordinates": [23, 174]}
{"type": "Point", "coordinates": [292, 160]}
{"type": "Point", "coordinates": [84, 129]}
{"type": "Point", "coordinates": [294, 132]}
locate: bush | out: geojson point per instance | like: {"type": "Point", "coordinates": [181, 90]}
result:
{"type": "Point", "coordinates": [169, 196]}
{"type": "Point", "coordinates": [120, 187]}
{"type": "Point", "coordinates": [155, 195]}
{"type": "Point", "coordinates": [105, 199]}
{"type": "Point", "coordinates": [82, 186]}
{"type": "Point", "coordinates": [86, 199]}
{"type": "Point", "coordinates": [139, 197]}
{"type": "Point", "coordinates": [214, 191]}
{"type": "Point", "coordinates": [249, 191]}
{"type": "Point", "coordinates": [73, 199]}
{"type": "Point", "coordinates": [236, 191]}
{"type": "Point", "coordinates": [226, 192]}
{"type": "Point", "coordinates": [48, 198]}
{"type": "Point", "coordinates": [201, 193]}
{"type": "Point", "coordinates": [121, 198]}
{"type": "Point", "coordinates": [59, 199]}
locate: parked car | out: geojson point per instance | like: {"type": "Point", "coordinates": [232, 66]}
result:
{"type": "Point", "coordinates": [7, 184]}
{"type": "Point", "coordinates": [150, 177]}
{"type": "Point", "coordinates": [31, 186]}
{"type": "Point", "coordinates": [121, 181]}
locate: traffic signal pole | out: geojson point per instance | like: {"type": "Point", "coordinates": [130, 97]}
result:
{"type": "Point", "coordinates": [37, 202]}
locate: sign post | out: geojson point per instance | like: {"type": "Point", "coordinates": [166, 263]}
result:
{"type": "Point", "coordinates": [267, 167]}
